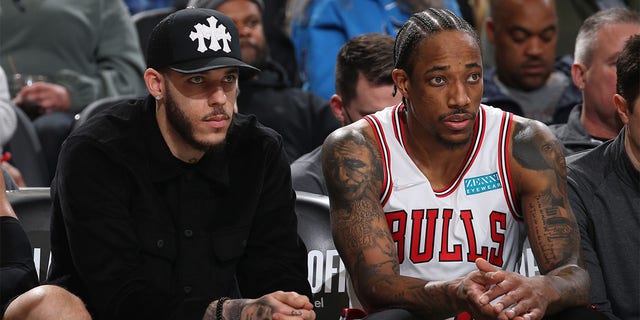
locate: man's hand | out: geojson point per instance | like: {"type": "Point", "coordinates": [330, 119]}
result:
{"type": "Point", "coordinates": [282, 305]}
{"type": "Point", "coordinates": [471, 289]}
{"type": "Point", "coordinates": [278, 305]}
{"type": "Point", "coordinates": [49, 97]}
{"type": "Point", "coordinates": [519, 297]}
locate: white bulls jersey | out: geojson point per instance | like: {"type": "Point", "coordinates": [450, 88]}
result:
{"type": "Point", "coordinates": [440, 233]}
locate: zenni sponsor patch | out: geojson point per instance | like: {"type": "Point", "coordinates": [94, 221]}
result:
{"type": "Point", "coordinates": [482, 183]}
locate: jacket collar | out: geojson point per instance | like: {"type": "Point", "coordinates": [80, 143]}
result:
{"type": "Point", "coordinates": [164, 166]}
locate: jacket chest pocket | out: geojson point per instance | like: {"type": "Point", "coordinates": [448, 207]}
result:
{"type": "Point", "coordinates": [230, 245]}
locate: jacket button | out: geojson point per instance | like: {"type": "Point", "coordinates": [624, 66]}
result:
{"type": "Point", "coordinates": [187, 289]}
{"type": "Point", "coordinates": [188, 233]}
{"type": "Point", "coordinates": [160, 243]}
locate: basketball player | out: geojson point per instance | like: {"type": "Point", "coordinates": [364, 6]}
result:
{"type": "Point", "coordinates": [431, 199]}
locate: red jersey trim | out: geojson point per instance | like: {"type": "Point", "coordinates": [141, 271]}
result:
{"type": "Point", "coordinates": [387, 184]}
{"type": "Point", "coordinates": [506, 126]}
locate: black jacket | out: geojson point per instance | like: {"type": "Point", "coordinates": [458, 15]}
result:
{"type": "Point", "coordinates": [302, 118]}
{"type": "Point", "coordinates": [139, 234]}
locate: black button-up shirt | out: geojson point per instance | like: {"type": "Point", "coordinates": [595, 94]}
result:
{"type": "Point", "coordinates": [137, 233]}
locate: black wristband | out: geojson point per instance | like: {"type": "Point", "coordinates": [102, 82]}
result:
{"type": "Point", "coordinates": [219, 307]}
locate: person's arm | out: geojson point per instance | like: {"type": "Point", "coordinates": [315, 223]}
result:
{"type": "Point", "coordinates": [275, 257]}
{"type": "Point", "coordinates": [326, 35]}
{"type": "Point", "coordinates": [352, 169]}
{"type": "Point", "coordinates": [278, 305]}
{"type": "Point", "coordinates": [93, 192]}
{"type": "Point", "coordinates": [8, 118]}
{"type": "Point", "coordinates": [17, 270]}
{"type": "Point", "coordinates": [538, 173]}
{"type": "Point", "coordinates": [579, 199]}
{"type": "Point", "coordinates": [119, 59]}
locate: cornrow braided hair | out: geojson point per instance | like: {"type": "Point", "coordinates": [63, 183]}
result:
{"type": "Point", "coordinates": [422, 25]}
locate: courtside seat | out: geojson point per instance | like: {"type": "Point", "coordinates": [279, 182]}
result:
{"type": "Point", "coordinates": [95, 107]}
{"type": "Point", "coordinates": [327, 273]}
{"type": "Point", "coordinates": [33, 208]}
{"type": "Point", "coordinates": [145, 21]}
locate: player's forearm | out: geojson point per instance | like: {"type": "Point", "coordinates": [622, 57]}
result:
{"type": "Point", "coordinates": [429, 300]}
{"type": "Point", "coordinates": [572, 285]}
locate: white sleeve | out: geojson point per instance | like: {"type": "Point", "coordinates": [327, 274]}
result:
{"type": "Point", "coordinates": [8, 118]}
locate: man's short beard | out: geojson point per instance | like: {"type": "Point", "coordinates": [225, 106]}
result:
{"type": "Point", "coordinates": [180, 123]}
{"type": "Point", "coordinates": [262, 56]}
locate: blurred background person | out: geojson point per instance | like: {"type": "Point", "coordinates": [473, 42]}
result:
{"type": "Point", "coordinates": [599, 42]}
{"type": "Point", "coordinates": [527, 78]}
{"type": "Point", "coordinates": [604, 193]}
{"type": "Point", "coordinates": [62, 55]}
{"type": "Point", "coordinates": [363, 86]}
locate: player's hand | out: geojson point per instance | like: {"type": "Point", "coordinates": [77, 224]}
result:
{"type": "Point", "coordinates": [470, 290]}
{"type": "Point", "coordinates": [281, 306]}
{"type": "Point", "coordinates": [522, 297]}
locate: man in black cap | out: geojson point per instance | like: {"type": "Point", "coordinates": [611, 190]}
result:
{"type": "Point", "coordinates": [302, 118]}
{"type": "Point", "coordinates": [174, 207]}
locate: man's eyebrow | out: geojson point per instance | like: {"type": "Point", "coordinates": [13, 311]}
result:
{"type": "Point", "coordinates": [437, 68]}
{"type": "Point", "coordinates": [473, 65]}
{"type": "Point", "coordinates": [529, 32]}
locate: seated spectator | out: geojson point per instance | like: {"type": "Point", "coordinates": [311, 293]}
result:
{"type": "Point", "coordinates": [302, 118]}
{"type": "Point", "coordinates": [526, 80]}
{"type": "Point", "coordinates": [21, 296]}
{"type": "Point", "coordinates": [598, 44]}
{"type": "Point", "coordinates": [604, 192]}
{"type": "Point", "coordinates": [363, 86]}
{"type": "Point", "coordinates": [167, 205]}
{"type": "Point", "coordinates": [63, 55]}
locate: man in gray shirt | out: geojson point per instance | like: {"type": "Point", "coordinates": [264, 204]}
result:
{"type": "Point", "coordinates": [363, 86]}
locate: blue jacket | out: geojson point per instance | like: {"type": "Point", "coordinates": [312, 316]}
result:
{"type": "Point", "coordinates": [332, 23]}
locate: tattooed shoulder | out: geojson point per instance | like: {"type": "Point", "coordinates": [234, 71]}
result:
{"type": "Point", "coordinates": [351, 161]}
{"type": "Point", "coordinates": [535, 147]}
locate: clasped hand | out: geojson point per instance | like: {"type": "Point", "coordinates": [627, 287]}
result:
{"type": "Point", "coordinates": [491, 293]}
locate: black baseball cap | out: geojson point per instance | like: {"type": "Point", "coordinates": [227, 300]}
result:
{"type": "Point", "coordinates": [196, 40]}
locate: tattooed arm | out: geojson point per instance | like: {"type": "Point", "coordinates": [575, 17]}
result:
{"type": "Point", "coordinates": [277, 305]}
{"type": "Point", "coordinates": [539, 175]}
{"type": "Point", "coordinates": [352, 167]}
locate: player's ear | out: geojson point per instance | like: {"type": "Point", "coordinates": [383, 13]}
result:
{"type": "Point", "coordinates": [401, 80]}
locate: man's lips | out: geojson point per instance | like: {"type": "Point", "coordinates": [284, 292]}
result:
{"type": "Point", "coordinates": [458, 121]}
{"type": "Point", "coordinates": [534, 69]}
{"type": "Point", "coordinates": [217, 121]}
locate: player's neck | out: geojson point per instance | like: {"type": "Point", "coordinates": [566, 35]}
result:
{"type": "Point", "coordinates": [438, 161]}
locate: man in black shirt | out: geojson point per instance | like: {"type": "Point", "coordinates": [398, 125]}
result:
{"type": "Point", "coordinates": [166, 206]}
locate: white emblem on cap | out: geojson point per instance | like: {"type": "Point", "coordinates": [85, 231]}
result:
{"type": "Point", "coordinates": [214, 33]}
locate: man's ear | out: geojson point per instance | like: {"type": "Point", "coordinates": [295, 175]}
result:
{"type": "Point", "coordinates": [337, 107]}
{"type": "Point", "coordinates": [155, 82]}
{"type": "Point", "coordinates": [622, 108]}
{"type": "Point", "coordinates": [578, 75]}
{"type": "Point", "coordinates": [401, 79]}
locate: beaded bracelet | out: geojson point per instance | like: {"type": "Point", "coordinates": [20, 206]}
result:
{"type": "Point", "coordinates": [219, 307]}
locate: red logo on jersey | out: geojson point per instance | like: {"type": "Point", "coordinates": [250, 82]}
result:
{"type": "Point", "coordinates": [397, 222]}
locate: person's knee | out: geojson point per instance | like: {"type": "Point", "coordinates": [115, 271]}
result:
{"type": "Point", "coordinates": [47, 302]}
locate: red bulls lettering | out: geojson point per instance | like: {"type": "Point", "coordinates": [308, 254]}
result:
{"type": "Point", "coordinates": [423, 224]}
